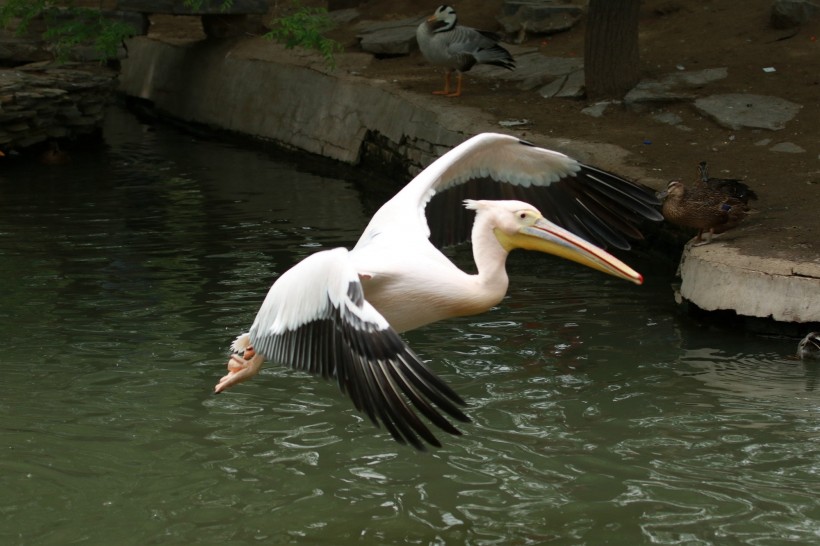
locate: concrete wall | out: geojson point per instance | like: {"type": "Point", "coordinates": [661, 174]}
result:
{"type": "Point", "coordinates": [284, 101]}
{"type": "Point", "coordinates": [258, 88]}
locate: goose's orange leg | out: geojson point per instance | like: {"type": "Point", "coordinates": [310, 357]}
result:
{"type": "Point", "coordinates": [458, 87]}
{"type": "Point", "coordinates": [446, 90]}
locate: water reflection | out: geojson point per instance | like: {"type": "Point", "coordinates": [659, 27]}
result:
{"type": "Point", "coordinates": [600, 415]}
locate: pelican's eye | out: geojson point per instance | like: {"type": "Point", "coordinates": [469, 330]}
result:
{"type": "Point", "coordinates": [527, 216]}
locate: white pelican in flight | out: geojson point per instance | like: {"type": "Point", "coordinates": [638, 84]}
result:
{"type": "Point", "coordinates": [338, 313]}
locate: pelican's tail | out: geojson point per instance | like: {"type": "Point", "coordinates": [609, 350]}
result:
{"type": "Point", "coordinates": [241, 343]}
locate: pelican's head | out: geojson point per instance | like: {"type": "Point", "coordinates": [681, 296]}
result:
{"type": "Point", "coordinates": [520, 225]}
{"type": "Point", "coordinates": [444, 18]}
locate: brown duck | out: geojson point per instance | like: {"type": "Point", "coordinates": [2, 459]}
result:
{"type": "Point", "coordinates": [701, 207]}
{"type": "Point", "coordinates": [730, 186]}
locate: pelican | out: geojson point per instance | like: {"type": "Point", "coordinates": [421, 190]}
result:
{"type": "Point", "coordinates": [339, 313]}
{"type": "Point", "coordinates": [444, 42]}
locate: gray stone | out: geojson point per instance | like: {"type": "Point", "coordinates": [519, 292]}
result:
{"type": "Point", "coordinates": [569, 86]}
{"type": "Point", "coordinates": [538, 17]}
{"type": "Point", "coordinates": [573, 86]}
{"type": "Point", "coordinates": [596, 110]}
{"type": "Point", "coordinates": [390, 41]}
{"type": "Point", "coordinates": [48, 102]}
{"type": "Point", "coordinates": [737, 111]}
{"type": "Point", "coordinates": [388, 37]}
{"type": "Point", "coordinates": [787, 147]}
{"type": "Point", "coordinates": [673, 87]}
{"type": "Point", "coordinates": [656, 93]}
{"type": "Point", "coordinates": [513, 122]}
{"type": "Point", "coordinates": [793, 13]}
{"type": "Point", "coordinates": [367, 26]}
{"type": "Point", "coordinates": [16, 50]}
{"type": "Point", "coordinates": [668, 118]}
{"type": "Point", "coordinates": [532, 69]}
{"type": "Point", "coordinates": [343, 16]}
{"type": "Point", "coordinates": [695, 78]}
{"type": "Point", "coordinates": [552, 88]}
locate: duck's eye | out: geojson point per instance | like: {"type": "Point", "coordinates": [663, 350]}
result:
{"type": "Point", "coordinates": [522, 215]}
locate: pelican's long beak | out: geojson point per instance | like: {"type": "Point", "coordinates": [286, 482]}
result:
{"type": "Point", "coordinates": [544, 236]}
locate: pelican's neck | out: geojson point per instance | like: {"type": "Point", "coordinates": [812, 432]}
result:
{"type": "Point", "coordinates": [490, 257]}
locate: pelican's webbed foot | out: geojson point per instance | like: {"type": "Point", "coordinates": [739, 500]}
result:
{"type": "Point", "coordinates": [240, 368]}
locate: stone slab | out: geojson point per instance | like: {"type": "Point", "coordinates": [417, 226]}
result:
{"type": "Point", "coordinates": [674, 87]}
{"type": "Point", "coordinates": [390, 41]}
{"type": "Point", "coordinates": [739, 110]}
{"type": "Point", "coordinates": [538, 17]}
{"type": "Point", "coordinates": [793, 13]}
{"type": "Point", "coordinates": [388, 37]}
{"type": "Point", "coordinates": [719, 277]}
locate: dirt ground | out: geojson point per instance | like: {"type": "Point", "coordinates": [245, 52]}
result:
{"type": "Point", "coordinates": [695, 35]}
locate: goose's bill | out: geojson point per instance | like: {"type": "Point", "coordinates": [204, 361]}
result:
{"type": "Point", "coordinates": [544, 236]}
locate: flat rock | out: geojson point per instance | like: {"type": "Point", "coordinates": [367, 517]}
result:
{"type": "Point", "coordinates": [569, 86]}
{"type": "Point", "coordinates": [532, 69]}
{"type": "Point", "coordinates": [388, 37]}
{"type": "Point", "coordinates": [787, 147]}
{"type": "Point", "coordinates": [720, 277]}
{"type": "Point", "coordinates": [738, 110]}
{"type": "Point", "coordinates": [596, 110]}
{"type": "Point", "coordinates": [793, 13]}
{"type": "Point", "coordinates": [670, 118]}
{"type": "Point", "coordinates": [343, 16]}
{"type": "Point", "coordinates": [538, 16]}
{"type": "Point", "coordinates": [674, 87]}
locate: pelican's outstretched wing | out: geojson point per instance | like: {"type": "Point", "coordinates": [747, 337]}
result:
{"type": "Point", "coordinates": [597, 205]}
{"type": "Point", "coordinates": [315, 318]}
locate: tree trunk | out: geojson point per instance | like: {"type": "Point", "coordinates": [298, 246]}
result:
{"type": "Point", "coordinates": [611, 54]}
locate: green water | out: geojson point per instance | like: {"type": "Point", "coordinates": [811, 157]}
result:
{"type": "Point", "coordinates": [601, 415]}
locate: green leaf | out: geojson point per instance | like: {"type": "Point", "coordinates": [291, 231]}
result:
{"type": "Point", "coordinates": [303, 27]}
